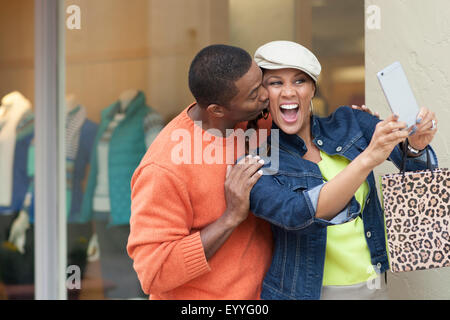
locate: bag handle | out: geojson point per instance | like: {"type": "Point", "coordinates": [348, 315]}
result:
{"type": "Point", "coordinates": [405, 156]}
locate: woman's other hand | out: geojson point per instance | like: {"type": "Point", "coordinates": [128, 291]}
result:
{"type": "Point", "coordinates": [366, 109]}
{"type": "Point", "coordinates": [423, 132]}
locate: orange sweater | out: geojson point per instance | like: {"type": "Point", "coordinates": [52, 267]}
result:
{"type": "Point", "coordinates": [170, 204]}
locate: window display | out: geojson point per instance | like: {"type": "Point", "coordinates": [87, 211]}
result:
{"type": "Point", "coordinates": [126, 130]}
{"type": "Point", "coordinates": [125, 77]}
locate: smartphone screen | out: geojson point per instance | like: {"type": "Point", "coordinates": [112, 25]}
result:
{"type": "Point", "coordinates": [398, 93]}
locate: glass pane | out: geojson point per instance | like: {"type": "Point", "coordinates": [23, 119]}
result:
{"type": "Point", "coordinates": [16, 149]}
{"type": "Point", "coordinates": [126, 77]}
{"type": "Point", "coordinates": [333, 30]}
{"type": "Point", "coordinates": [338, 42]}
{"type": "Point", "coordinates": [255, 22]}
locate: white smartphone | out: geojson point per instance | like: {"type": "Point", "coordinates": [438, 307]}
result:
{"type": "Point", "coordinates": [398, 93]}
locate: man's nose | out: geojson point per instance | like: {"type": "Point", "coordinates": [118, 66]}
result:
{"type": "Point", "coordinates": [263, 94]}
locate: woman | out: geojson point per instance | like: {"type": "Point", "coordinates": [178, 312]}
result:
{"type": "Point", "coordinates": [326, 217]}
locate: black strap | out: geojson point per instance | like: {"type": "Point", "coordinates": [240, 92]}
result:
{"type": "Point", "coordinates": [405, 156]}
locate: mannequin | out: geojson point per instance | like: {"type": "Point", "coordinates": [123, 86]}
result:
{"type": "Point", "coordinates": [80, 135]}
{"type": "Point", "coordinates": [127, 128]}
{"type": "Point", "coordinates": [115, 264]}
{"type": "Point", "coordinates": [126, 97]}
{"type": "Point", "coordinates": [8, 101]}
{"type": "Point", "coordinates": [4, 107]}
{"type": "Point", "coordinates": [13, 107]}
{"type": "Point", "coordinates": [22, 222]}
{"type": "Point", "coordinates": [101, 201]}
{"type": "Point", "coordinates": [71, 102]}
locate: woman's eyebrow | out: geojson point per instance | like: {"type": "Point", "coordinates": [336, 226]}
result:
{"type": "Point", "coordinates": [299, 73]}
{"type": "Point", "coordinates": [274, 76]}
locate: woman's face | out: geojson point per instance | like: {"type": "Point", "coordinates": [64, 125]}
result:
{"type": "Point", "coordinates": [290, 94]}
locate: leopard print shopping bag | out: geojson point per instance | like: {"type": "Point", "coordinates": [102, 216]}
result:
{"type": "Point", "coordinates": [417, 213]}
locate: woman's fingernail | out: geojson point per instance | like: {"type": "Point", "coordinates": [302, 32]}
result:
{"type": "Point", "coordinates": [414, 129]}
{"type": "Point", "coordinates": [419, 120]}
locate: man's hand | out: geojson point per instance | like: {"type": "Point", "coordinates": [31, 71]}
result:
{"type": "Point", "coordinates": [18, 231]}
{"type": "Point", "coordinates": [366, 109]}
{"type": "Point", "coordinates": [240, 180]}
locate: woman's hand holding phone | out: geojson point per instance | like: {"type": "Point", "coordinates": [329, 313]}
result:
{"type": "Point", "coordinates": [423, 132]}
{"type": "Point", "coordinates": [388, 133]}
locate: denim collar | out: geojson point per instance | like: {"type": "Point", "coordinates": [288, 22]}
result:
{"type": "Point", "coordinates": [293, 142]}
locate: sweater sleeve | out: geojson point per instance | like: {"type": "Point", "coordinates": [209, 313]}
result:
{"type": "Point", "coordinates": [166, 252]}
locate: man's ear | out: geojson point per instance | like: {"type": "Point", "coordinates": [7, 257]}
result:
{"type": "Point", "coordinates": [216, 110]}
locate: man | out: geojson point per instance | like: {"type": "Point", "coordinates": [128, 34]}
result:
{"type": "Point", "coordinates": [191, 235]}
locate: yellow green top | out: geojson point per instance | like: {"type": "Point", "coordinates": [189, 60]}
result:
{"type": "Point", "coordinates": [347, 258]}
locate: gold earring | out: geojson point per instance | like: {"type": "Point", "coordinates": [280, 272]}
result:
{"type": "Point", "coordinates": [264, 114]}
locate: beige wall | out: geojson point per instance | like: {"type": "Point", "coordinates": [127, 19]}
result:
{"type": "Point", "coordinates": [416, 33]}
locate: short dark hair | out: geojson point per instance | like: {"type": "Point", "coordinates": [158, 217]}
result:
{"type": "Point", "coordinates": [214, 71]}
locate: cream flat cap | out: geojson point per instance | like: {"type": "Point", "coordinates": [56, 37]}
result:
{"type": "Point", "coordinates": [288, 54]}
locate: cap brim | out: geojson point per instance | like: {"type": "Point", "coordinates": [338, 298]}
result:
{"type": "Point", "coordinates": [271, 66]}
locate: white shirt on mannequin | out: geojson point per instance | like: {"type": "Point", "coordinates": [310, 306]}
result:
{"type": "Point", "coordinates": [13, 107]}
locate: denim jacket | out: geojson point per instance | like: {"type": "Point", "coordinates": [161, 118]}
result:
{"type": "Point", "coordinates": [288, 200]}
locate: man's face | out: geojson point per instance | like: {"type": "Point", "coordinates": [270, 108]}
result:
{"type": "Point", "coordinates": [251, 99]}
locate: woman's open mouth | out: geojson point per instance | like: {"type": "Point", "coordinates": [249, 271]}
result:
{"type": "Point", "coordinates": [289, 112]}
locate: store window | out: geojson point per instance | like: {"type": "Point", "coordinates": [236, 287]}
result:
{"type": "Point", "coordinates": [125, 77]}
{"type": "Point", "coordinates": [127, 66]}
{"type": "Point", "coordinates": [16, 149]}
{"type": "Point", "coordinates": [332, 30]}
{"type": "Point", "coordinates": [338, 40]}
